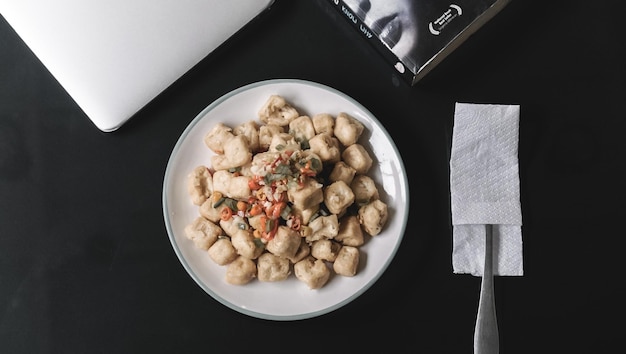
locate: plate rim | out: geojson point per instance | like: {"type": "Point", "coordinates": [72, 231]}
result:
{"type": "Point", "coordinates": [187, 266]}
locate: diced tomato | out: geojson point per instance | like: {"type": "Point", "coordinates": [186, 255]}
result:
{"type": "Point", "coordinates": [281, 197]}
{"type": "Point", "coordinates": [226, 214]}
{"type": "Point", "coordinates": [253, 182]}
{"type": "Point", "coordinates": [274, 210]}
{"type": "Point", "coordinates": [296, 223]}
{"type": "Point", "coordinates": [242, 206]}
{"type": "Point", "coordinates": [256, 209]}
{"type": "Point", "coordinates": [267, 227]}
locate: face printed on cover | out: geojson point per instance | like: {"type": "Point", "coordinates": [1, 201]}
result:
{"type": "Point", "coordinates": [395, 22]}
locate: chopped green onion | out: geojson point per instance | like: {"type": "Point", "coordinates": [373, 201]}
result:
{"type": "Point", "coordinates": [271, 177]}
{"type": "Point", "coordinates": [282, 169]}
{"type": "Point", "coordinates": [316, 164]}
{"type": "Point", "coordinates": [231, 203]}
{"type": "Point", "coordinates": [286, 212]}
{"type": "Point", "coordinates": [269, 225]}
{"type": "Point", "coordinates": [219, 202]}
{"type": "Point", "coordinates": [259, 243]}
{"type": "Point", "coordinates": [323, 210]}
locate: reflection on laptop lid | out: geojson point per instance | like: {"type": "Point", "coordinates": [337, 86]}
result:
{"type": "Point", "coordinates": [113, 57]}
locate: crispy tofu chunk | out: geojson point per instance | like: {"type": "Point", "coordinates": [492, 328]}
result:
{"type": "Point", "coordinates": [326, 147]}
{"type": "Point", "coordinates": [309, 196]}
{"type": "Point", "coordinates": [373, 216]}
{"type": "Point", "coordinates": [285, 243]}
{"type": "Point", "coordinates": [350, 232]}
{"type": "Point", "coordinates": [338, 197]}
{"type": "Point", "coordinates": [277, 111]}
{"type": "Point", "coordinates": [233, 225]}
{"type": "Point", "coordinates": [313, 272]}
{"type": "Point", "coordinates": [323, 227]}
{"type": "Point", "coordinates": [217, 137]}
{"type": "Point", "coordinates": [272, 268]}
{"type": "Point", "coordinates": [326, 250]}
{"type": "Point", "coordinates": [209, 211]}
{"type": "Point", "coordinates": [222, 251]}
{"type": "Point", "coordinates": [347, 261]}
{"type": "Point", "coordinates": [358, 158]}
{"type": "Point", "coordinates": [240, 271]}
{"type": "Point", "coordinates": [231, 186]}
{"type": "Point", "coordinates": [302, 128]}
{"type": "Point", "coordinates": [303, 251]}
{"type": "Point", "coordinates": [348, 130]}
{"type": "Point", "coordinates": [342, 172]}
{"type": "Point", "coordinates": [283, 142]}
{"type": "Point", "coordinates": [250, 131]}
{"type": "Point", "coordinates": [364, 189]}
{"type": "Point", "coordinates": [236, 154]}
{"type": "Point", "coordinates": [266, 132]}
{"type": "Point", "coordinates": [305, 214]}
{"type": "Point", "coordinates": [243, 242]}
{"type": "Point", "coordinates": [199, 184]}
{"type": "Point", "coordinates": [203, 232]}
{"type": "Point", "coordinates": [323, 123]}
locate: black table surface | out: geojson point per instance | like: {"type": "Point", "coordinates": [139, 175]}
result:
{"type": "Point", "coordinates": [86, 265]}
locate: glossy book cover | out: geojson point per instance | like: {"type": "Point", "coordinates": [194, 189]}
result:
{"type": "Point", "coordinates": [415, 35]}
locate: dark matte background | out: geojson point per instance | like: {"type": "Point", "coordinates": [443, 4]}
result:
{"type": "Point", "coordinates": [86, 265]}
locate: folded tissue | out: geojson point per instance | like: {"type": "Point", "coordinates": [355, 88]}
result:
{"type": "Point", "coordinates": [485, 188]}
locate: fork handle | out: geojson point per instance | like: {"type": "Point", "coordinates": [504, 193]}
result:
{"type": "Point", "coordinates": [486, 339]}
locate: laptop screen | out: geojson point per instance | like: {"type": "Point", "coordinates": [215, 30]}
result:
{"type": "Point", "coordinates": [113, 57]}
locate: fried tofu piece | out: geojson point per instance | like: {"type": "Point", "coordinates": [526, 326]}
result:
{"type": "Point", "coordinates": [350, 232]}
{"type": "Point", "coordinates": [222, 251]}
{"type": "Point", "coordinates": [347, 261]}
{"type": "Point", "coordinates": [277, 111]}
{"type": "Point", "coordinates": [325, 249]}
{"type": "Point", "coordinates": [373, 216]}
{"type": "Point", "coordinates": [231, 185]}
{"type": "Point", "coordinates": [302, 128]}
{"type": "Point", "coordinates": [342, 172]}
{"type": "Point", "coordinates": [240, 271]}
{"type": "Point", "coordinates": [338, 196]}
{"type": "Point", "coordinates": [309, 196]}
{"type": "Point", "coordinates": [245, 244]}
{"type": "Point", "coordinates": [313, 272]}
{"type": "Point", "coordinates": [323, 123]}
{"type": "Point", "coordinates": [326, 147]}
{"type": "Point", "coordinates": [347, 129]}
{"type": "Point", "coordinates": [364, 189]}
{"type": "Point", "coordinates": [203, 232]}
{"type": "Point", "coordinates": [285, 243]}
{"type": "Point", "coordinates": [323, 227]}
{"type": "Point", "coordinates": [199, 184]}
{"type": "Point", "coordinates": [272, 268]}
{"type": "Point", "coordinates": [358, 158]}
{"type": "Point", "coordinates": [236, 154]}
{"type": "Point", "coordinates": [250, 131]}
{"type": "Point", "coordinates": [217, 137]}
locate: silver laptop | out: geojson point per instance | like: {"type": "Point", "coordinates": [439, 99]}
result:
{"type": "Point", "coordinates": [114, 56]}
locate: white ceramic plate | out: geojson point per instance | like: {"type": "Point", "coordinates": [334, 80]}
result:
{"type": "Point", "coordinates": [289, 299]}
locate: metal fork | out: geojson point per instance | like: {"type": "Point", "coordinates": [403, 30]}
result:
{"type": "Point", "coordinates": [486, 340]}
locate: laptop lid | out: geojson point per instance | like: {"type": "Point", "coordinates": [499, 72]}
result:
{"type": "Point", "coordinates": [113, 57]}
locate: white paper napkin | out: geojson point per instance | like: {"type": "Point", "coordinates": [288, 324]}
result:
{"type": "Point", "coordinates": [485, 188]}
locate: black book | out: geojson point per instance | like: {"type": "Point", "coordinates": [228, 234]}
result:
{"type": "Point", "coordinates": [416, 35]}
